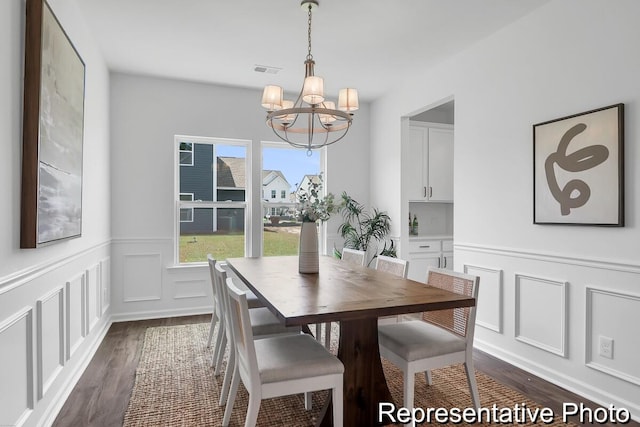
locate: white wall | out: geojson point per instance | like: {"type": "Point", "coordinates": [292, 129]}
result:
{"type": "Point", "coordinates": [146, 114]}
{"type": "Point", "coordinates": [551, 291]}
{"type": "Point", "coordinates": [53, 300]}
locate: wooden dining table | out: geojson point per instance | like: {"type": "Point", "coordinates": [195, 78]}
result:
{"type": "Point", "coordinates": [355, 296]}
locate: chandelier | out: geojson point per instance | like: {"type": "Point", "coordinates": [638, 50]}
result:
{"type": "Point", "coordinates": [311, 121]}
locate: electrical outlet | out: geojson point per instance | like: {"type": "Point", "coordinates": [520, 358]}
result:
{"type": "Point", "coordinates": [606, 347]}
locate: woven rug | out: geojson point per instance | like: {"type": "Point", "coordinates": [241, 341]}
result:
{"type": "Point", "coordinates": [175, 386]}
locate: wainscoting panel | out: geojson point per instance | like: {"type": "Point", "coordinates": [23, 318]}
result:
{"type": "Point", "coordinates": [490, 298]}
{"type": "Point", "coordinates": [541, 313]}
{"type": "Point", "coordinates": [94, 291]}
{"type": "Point", "coordinates": [51, 346]}
{"type": "Point", "coordinates": [190, 288]}
{"type": "Point", "coordinates": [105, 282]}
{"type": "Point", "coordinates": [76, 309]}
{"type": "Point", "coordinates": [16, 394]}
{"type": "Point", "coordinates": [604, 319]}
{"type": "Point", "coordinates": [142, 277]}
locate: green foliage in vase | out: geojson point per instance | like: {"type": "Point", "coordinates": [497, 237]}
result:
{"type": "Point", "coordinates": [312, 205]}
{"type": "Point", "coordinates": [363, 230]}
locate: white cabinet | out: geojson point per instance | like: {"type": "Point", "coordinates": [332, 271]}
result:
{"type": "Point", "coordinates": [430, 163]}
{"type": "Point", "coordinates": [426, 253]}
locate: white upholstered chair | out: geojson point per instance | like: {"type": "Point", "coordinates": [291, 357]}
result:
{"type": "Point", "coordinates": [397, 267]}
{"type": "Point", "coordinates": [218, 312]}
{"type": "Point", "coordinates": [263, 324]}
{"type": "Point", "coordinates": [353, 256]}
{"type": "Point", "coordinates": [441, 338]}
{"type": "Point", "coordinates": [215, 316]}
{"type": "Point", "coordinates": [278, 366]}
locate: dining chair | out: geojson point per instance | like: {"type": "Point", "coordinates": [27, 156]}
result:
{"type": "Point", "coordinates": [278, 366]}
{"type": "Point", "coordinates": [353, 256]}
{"type": "Point", "coordinates": [217, 316]}
{"type": "Point", "coordinates": [441, 338]}
{"type": "Point", "coordinates": [263, 324]}
{"type": "Point", "coordinates": [397, 267]}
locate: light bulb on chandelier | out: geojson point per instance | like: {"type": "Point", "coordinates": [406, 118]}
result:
{"type": "Point", "coordinates": [311, 121]}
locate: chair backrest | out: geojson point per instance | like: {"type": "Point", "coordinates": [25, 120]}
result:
{"type": "Point", "coordinates": [212, 265]}
{"type": "Point", "coordinates": [242, 335]}
{"type": "Point", "coordinates": [460, 321]}
{"type": "Point", "coordinates": [353, 256]}
{"type": "Point", "coordinates": [223, 303]}
{"type": "Point", "coordinates": [395, 266]}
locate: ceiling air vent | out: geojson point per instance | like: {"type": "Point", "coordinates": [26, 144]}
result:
{"type": "Point", "coordinates": [266, 69]}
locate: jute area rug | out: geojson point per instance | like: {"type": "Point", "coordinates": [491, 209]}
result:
{"type": "Point", "coordinates": [175, 386]}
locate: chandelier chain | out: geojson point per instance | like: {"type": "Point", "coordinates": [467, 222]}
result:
{"type": "Point", "coordinates": [309, 55]}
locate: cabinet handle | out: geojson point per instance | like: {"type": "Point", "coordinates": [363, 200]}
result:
{"type": "Point", "coordinates": [445, 261]}
{"type": "Point", "coordinates": [424, 189]}
{"type": "Point", "coordinates": [439, 262]}
{"type": "Point", "coordinates": [425, 246]}
{"type": "Point", "coordinates": [430, 192]}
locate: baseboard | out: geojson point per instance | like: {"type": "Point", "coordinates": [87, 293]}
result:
{"type": "Point", "coordinates": [559, 379]}
{"type": "Point", "coordinates": [58, 401]}
{"type": "Point", "coordinates": [159, 314]}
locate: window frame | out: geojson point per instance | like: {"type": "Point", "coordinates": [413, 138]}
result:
{"type": "Point", "coordinates": [184, 208]}
{"type": "Point", "coordinates": [191, 152]}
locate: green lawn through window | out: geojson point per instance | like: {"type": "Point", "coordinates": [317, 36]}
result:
{"type": "Point", "coordinates": [277, 241]}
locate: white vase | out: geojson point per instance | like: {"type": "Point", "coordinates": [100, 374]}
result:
{"type": "Point", "coordinates": [308, 251]}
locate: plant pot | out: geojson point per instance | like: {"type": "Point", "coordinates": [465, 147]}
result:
{"type": "Point", "coordinates": [308, 250]}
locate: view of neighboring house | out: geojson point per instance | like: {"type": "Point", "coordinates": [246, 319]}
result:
{"type": "Point", "coordinates": [275, 193]}
{"type": "Point", "coordinates": [304, 184]}
{"type": "Point", "coordinates": [198, 180]}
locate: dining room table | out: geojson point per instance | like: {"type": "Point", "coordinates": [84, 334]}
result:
{"type": "Point", "coordinates": [355, 296]}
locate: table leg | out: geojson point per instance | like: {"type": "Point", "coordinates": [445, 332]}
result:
{"type": "Point", "coordinates": [364, 382]}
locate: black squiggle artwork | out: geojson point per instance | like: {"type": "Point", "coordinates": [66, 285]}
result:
{"type": "Point", "coordinates": [581, 160]}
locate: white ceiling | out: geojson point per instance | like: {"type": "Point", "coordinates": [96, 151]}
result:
{"type": "Point", "coordinates": [356, 43]}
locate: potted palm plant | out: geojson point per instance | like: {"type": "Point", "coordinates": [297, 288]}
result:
{"type": "Point", "coordinates": [364, 230]}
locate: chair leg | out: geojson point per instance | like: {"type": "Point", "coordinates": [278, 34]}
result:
{"type": "Point", "coordinates": [471, 379]}
{"type": "Point", "coordinates": [308, 401]}
{"type": "Point", "coordinates": [219, 338]}
{"type": "Point", "coordinates": [252, 410]}
{"type": "Point", "coordinates": [327, 335]}
{"type": "Point", "coordinates": [338, 408]}
{"type": "Point", "coordinates": [223, 347]}
{"type": "Point", "coordinates": [214, 320]}
{"type": "Point", "coordinates": [409, 384]}
{"type": "Point", "coordinates": [428, 378]}
{"type": "Point", "coordinates": [228, 374]}
{"type": "Point", "coordinates": [318, 331]}
{"type": "Point", "coordinates": [233, 391]}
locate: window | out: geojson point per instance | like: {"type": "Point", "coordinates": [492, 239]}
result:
{"type": "Point", "coordinates": [211, 198]}
{"type": "Point", "coordinates": [186, 154]}
{"type": "Point", "coordinates": [186, 214]}
{"type": "Point", "coordinates": [281, 231]}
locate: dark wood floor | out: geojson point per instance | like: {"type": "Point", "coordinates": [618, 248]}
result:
{"type": "Point", "coordinates": [102, 394]}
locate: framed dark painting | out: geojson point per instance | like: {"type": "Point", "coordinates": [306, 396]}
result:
{"type": "Point", "coordinates": [578, 168]}
{"type": "Point", "coordinates": [53, 128]}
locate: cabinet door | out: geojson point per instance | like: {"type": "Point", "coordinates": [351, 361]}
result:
{"type": "Point", "coordinates": [415, 166]}
{"type": "Point", "coordinates": [440, 169]}
{"type": "Point", "coordinates": [419, 264]}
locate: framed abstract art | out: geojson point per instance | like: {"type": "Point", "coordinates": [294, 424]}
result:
{"type": "Point", "coordinates": [578, 168]}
